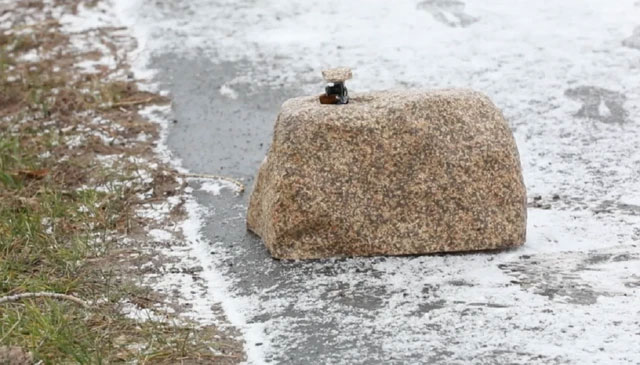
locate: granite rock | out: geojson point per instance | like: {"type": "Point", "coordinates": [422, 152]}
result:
{"type": "Point", "coordinates": [390, 173]}
{"type": "Point", "coordinates": [339, 74]}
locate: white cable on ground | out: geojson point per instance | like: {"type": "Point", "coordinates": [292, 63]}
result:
{"type": "Point", "coordinates": [217, 177]}
{"type": "Point", "coordinates": [17, 297]}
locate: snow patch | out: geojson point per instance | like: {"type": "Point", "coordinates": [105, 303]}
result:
{"type": "Point", "coordinates": [30, 56]}
{"type": "Point", "coordinates": [87, 18]}
{"type": "Point", "coordinates": [140, 314]}
{"type": "Point", "coordinates": [160, 235]}
{"type": "Point", "coordinates": [227, 91]}
{"type": "Point", "coordinates": [215, 187]}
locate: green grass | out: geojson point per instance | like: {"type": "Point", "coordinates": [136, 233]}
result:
{"type": "Point", "coordinates": [38, 252]}
{"type": "Point", "coordinates": [58, 237]}
{"type": "Point", "coordinates": [50, 240]}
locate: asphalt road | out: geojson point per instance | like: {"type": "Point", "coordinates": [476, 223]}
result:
{"type": "Point", "coordinates": [569, 295]}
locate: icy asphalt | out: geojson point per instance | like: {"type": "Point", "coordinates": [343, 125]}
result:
{"type": "Point", "coordinates": [567, 77]}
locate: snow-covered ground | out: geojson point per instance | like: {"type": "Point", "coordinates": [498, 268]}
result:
{"type": "Point", "coordinates": [567, 77]}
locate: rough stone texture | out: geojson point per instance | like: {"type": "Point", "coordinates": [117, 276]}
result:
{"type": "Point", "coordinates": [340, 74]}
{"type": "Point", "coordinates": [390, 173]}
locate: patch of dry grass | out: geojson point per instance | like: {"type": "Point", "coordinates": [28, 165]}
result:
{"type": "Point", "coordinates": [63, 212]}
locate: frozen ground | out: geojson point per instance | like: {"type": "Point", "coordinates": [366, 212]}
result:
{"type": "Point", "coordinates": [567, 76]}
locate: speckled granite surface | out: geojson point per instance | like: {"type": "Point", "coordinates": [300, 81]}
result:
{"type": "Point", "coordinates": [390, 173]}
{"type": "Point", "coordinates": [338, 74]}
